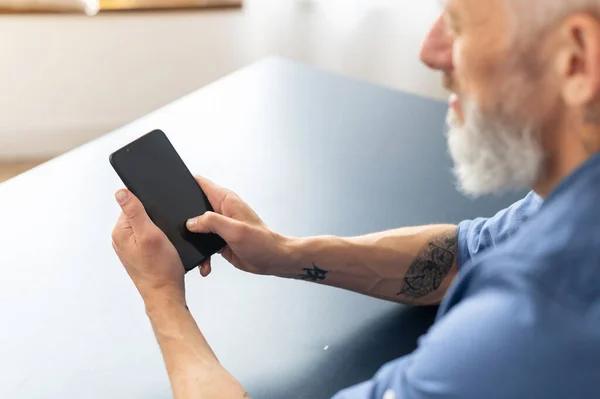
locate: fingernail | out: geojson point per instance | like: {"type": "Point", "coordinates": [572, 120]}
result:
{"type": "Point", "coordinates": [122, 196]}
{"type": "Point", "coordinates": [191, 223]}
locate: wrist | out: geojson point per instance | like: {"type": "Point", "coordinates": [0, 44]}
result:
{"type": "Point", "coordinates": [291, 256]}
{"type": "Point", "coordinates": [280, 256]}
{"type": "Point", "coordinates": [302, 252]}
{"type": "Point", "coordinates": [295, 253]}
{"type": "Point", "coordinates": [168, 289]}
{"type": "Point", "coordinates": [163, 302]}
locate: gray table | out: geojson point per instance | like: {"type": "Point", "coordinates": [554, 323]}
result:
{"type": "Point", "coordinates": [313, 153]}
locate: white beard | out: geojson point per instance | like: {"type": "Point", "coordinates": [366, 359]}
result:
{"type": "Point", "coordinates": [493, 154]}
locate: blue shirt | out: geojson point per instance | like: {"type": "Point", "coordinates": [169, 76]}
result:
{"type": "Point", "coordinates": [522, 320]}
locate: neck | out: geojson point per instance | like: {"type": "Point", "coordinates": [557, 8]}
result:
{"type": "Point", "coordinates": [569, 154]}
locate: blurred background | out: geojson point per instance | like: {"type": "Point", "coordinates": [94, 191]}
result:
{"type": "Point", "coordinates": [67, 78]}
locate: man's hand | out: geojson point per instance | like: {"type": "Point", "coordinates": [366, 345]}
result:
{"type": "Point", "coordinates": [252, 246]}
{"type": "Point", "coordinates": [154, 266]}
{"type": "Point", "coordinates": [412, 265]}
{"type": "Point", "coordinates": [150, 259]}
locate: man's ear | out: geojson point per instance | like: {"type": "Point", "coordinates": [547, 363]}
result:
{"type": "Point", "coordinates": [577, 61]}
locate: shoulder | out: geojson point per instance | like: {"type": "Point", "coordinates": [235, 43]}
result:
{"type": "Point", "coordinates": [510, 325]}
{"type": "Point", "coordinates": [478, 235]}
{"type": "Point", "coordinates": [555, 276]}
{"type": "Point", "coordinates": [504, 330]}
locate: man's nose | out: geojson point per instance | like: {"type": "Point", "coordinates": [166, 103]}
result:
{"type": "Point", "coordinates": [436, 50]}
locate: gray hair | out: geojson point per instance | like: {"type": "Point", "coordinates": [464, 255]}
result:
{"type": "Point", "coordinates": [535, 16]}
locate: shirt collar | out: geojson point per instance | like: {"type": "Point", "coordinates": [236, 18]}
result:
{"type": "Point", "coordinates": [581, 173]}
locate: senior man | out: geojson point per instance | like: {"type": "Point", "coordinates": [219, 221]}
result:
{"type": "Point", "coordinates": [522, 317]}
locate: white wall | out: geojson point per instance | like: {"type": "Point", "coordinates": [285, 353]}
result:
{"type": "Point", "coordinates": [66, 79]}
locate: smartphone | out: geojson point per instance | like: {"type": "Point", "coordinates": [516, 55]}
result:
{"type": "Point", "coordinates": [152, 170]}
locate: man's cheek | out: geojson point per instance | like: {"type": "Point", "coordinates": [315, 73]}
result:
{"type": "Point", "coordinates": [463, 74]}
{"type": "Point", "coordinates": [457, 54]}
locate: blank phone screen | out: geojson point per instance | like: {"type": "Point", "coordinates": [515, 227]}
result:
{"type": "Point", "coordinates": [153, 171]}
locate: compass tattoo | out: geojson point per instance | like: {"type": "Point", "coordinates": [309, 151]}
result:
{"type": "Point", "coordinates": [431, 266]}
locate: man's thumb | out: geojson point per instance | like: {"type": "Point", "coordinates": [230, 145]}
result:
{"type": "Point", "coordinates": [212, 222]}
{"type": "Point", "coordinates": [132, 209]}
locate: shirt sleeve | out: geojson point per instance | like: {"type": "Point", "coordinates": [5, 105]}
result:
{"type": "Point", "coordinates": [498, 343]}
{"type": "Point", "coordinates": [381, 386]}
{"type": "Point", "coordinates": [475, 236]}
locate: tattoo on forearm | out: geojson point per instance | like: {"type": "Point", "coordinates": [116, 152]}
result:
{"type": "Point", "coordinates": [247, 395]}
{"type": "Point", "coordinates": [431, 266]}
{"type": "Point", "coordinates": [315, 274]}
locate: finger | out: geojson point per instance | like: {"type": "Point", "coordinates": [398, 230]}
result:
{"type": "Point", "coordinates": [205, 268]}
{"type": "Point", "coordinates": [212, 222]}
{"type": "Point", "coordinates": [122, 230]}
{"type": "Point", "coordinates": [133, 210]}
{"type": "Point", "coordinates": [215, 193]}
{"type": "Point", "coordinates": [122, 222]}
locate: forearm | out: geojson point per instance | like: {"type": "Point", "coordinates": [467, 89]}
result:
{"type": "Point", "coordinates": [410, 265]}
{"type": "Point", "coordinates": [193, 368]}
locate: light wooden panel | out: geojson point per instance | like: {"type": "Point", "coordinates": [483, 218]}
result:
{"type": "Point", "coordinates": [34, 6]}
{"type": "Point", "coordinates": [25, 6]}
{"type": "Point", "coordinates": [108, 5]}
{"type": "Point", "coordinates": [11, 169]}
